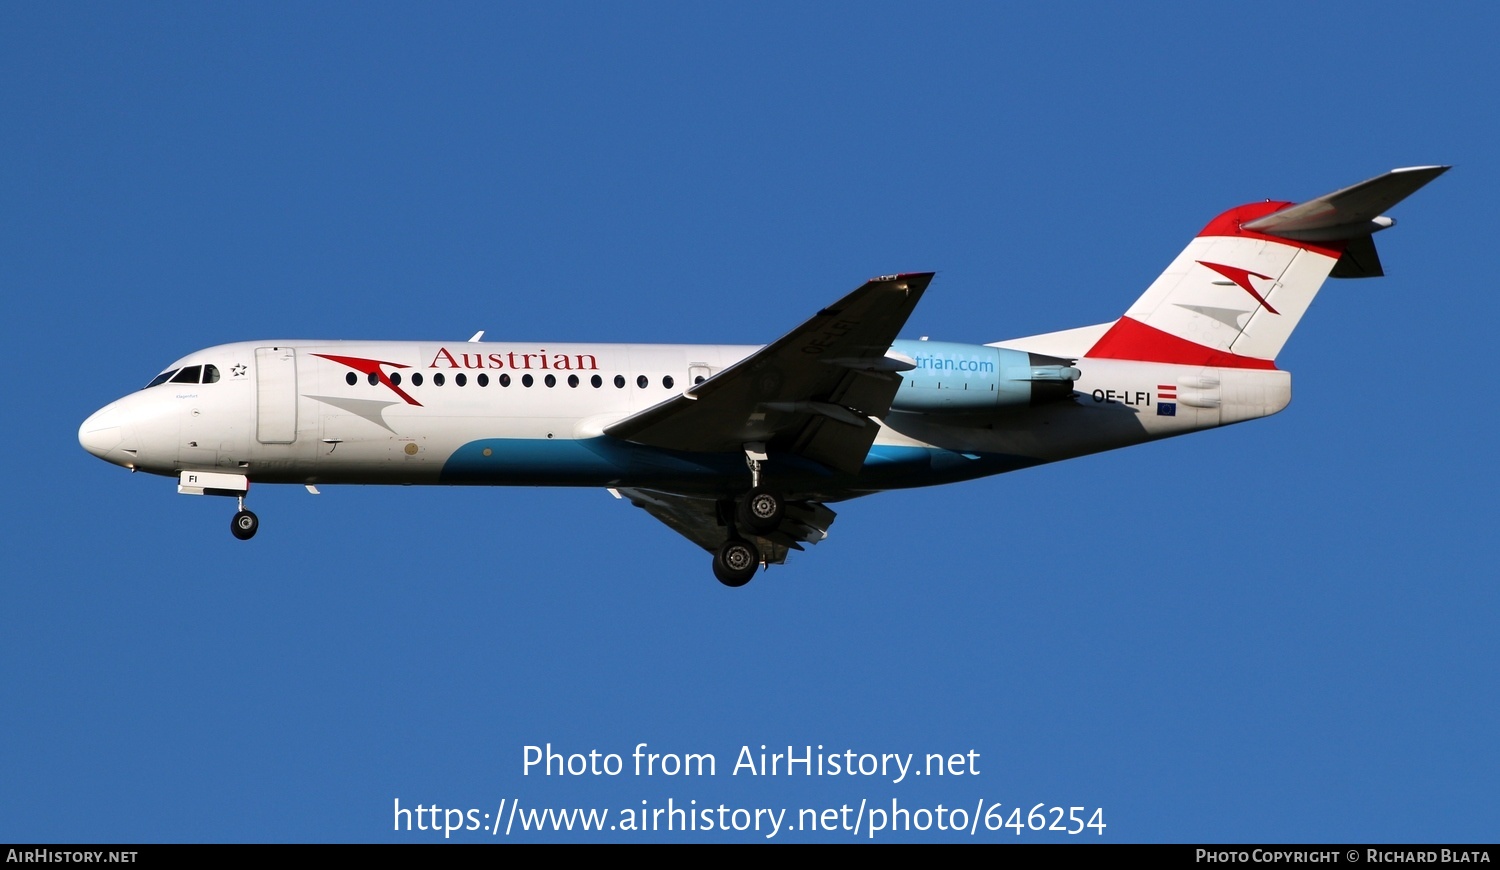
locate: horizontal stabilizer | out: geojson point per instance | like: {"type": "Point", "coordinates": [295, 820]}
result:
{"type": "Point", "coordinates": [1353, 212]}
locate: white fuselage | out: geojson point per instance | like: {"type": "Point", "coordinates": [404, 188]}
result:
{"type": "Point", "coordinates": [328, 412]}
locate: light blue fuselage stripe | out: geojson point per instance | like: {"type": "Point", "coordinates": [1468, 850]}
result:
{"type": "Point", "coordinates": [606, 461]}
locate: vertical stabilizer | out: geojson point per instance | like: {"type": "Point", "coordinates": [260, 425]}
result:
{"type": "Point", "coordinates": [1234, 295]}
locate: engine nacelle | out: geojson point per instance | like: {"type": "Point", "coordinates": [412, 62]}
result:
{"type": "Point", "coordinates": [951, 377]}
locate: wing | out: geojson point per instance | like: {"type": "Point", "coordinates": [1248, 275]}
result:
{"type": "Point", "coordinates": [811, 393]}
{"type": "Point", "coordinates": [697, 519]}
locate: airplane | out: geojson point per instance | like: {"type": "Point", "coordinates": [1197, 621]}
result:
{"type": "Point", "coordinates": [741, 449]}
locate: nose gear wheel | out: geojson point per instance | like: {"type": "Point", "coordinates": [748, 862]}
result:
{"type": "Point", "coordinates": [244, 525]}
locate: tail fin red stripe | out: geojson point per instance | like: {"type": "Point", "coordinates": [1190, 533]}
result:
{"type": "Point", "coordinates": [1131, 339]}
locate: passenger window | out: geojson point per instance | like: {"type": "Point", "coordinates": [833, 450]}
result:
{"type": "Point", "coordinates": [667, 382]}
{"type": "Point", "coordinates": [551, 381]}
{"type": "Point", "coordinates": [189, 375]}
{"type": "Point", "coordinates": [351, 379]}
{"type": "Point", "coordinates": [416, 379]}
{"type": "Point", "coordinates": [484, 380]}
{"type": "Point", "coordinates": [526, 380]}
{"type": "Point", "coordinates": [373, 378]}
{"type": "Point", "coordinates": [620, 381]}
{"type": "Point", "coordinates": [596, 381]}
{"type": "Point", "coordinates": [396, 378]}
{"type": "Point", "coordinates": [504, 380]}
{"type": "Point", "coordinates": [641, 381]}
{"type": "Point", "coordinates": [210, 374]}
{"type": "Point", "coordinates": [437, 379]}
{"type": "Point", "coordinates": [572, 380]}
{"type": "Point", "coordinates": [460, 379]}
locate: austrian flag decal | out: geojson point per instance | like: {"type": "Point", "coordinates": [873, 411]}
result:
{"type": "Point", "coordinates": [1166, 400]}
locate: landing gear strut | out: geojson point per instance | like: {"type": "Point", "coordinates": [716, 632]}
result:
{"type": "Point", "coordinates": [245, 523]}
{"type": "Point", "coordinates": [761, 509]}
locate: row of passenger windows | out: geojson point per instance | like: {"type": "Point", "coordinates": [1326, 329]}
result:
{"type": "Point", "coordinates": [189, 375]}
{"type": "Point", "coordinates": [504, 380]}
{"type": "Point", "coordinates": [209, 374]}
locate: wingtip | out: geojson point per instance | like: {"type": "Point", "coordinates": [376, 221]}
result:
{"type": "Point", "coordinates": [1434, 170]}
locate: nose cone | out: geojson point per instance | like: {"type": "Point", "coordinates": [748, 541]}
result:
{"type": "Point", "coordinates": [102, 433]}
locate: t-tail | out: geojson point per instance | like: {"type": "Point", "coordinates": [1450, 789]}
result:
{"type": "Point", "coordinates": [1233, 297]}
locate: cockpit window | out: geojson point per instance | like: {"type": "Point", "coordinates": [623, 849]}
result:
{"type": "Point", "coordinates": [207, 374]}
{"type": "Point", "coordinates": [189, 375]}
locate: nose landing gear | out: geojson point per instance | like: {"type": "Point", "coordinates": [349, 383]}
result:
{"type": "Point", "coordinates": [245, 524]}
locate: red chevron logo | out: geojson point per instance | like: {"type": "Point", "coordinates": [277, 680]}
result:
{"type": "Point", "coordinates": [372, 367]}
{"type": "Point", "coordinates": [1242, 278]}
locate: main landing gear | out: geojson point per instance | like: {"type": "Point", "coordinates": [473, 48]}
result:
{"type": "Point", "coordinates": [245, 524]}
{"type": "Point", "coordinates": [760, 512]}
{"type": "Point", "coordinates": [736, 562]}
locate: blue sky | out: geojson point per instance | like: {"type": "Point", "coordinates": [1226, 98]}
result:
{"type": "Point", "coordinates": [1280, 631]}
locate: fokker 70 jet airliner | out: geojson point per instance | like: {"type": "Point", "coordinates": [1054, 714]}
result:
{"type": "Point", "coordinates": [742, 449]}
